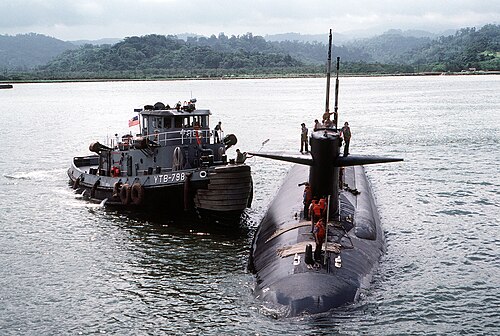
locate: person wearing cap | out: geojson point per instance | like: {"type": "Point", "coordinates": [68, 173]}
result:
{"type": "Point", "coordinates": [346, 134]}
{"type": "Point", "coordinates": [303, 139]}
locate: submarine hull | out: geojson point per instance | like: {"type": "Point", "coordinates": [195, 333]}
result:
{"type": "Point", "coordinates": [278, 254]}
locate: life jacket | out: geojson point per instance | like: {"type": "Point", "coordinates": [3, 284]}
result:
{"type": "Point", "coordinates": [319, 230]}
{"type": "Point", "coordinates": [322, 204]}
{"type": "Point", "coordinates": [317, 209]}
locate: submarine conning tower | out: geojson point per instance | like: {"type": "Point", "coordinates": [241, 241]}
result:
{"type": "Point", "coordinates": [323, 173]}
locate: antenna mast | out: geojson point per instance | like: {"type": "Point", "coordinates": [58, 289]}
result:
{"type": "Point", "coordinates": [336, 107]}
{"type": "Point", "coordinates": [328, 70]}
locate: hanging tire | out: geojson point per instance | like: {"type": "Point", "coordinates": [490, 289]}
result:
{"type": "Point", "coordinates": [250, 196]}
{"type": "Point", "coordinates": [137, 194]}
{"type": "Point", "coordinates": [76, 183]}
{"type": "Point", "coordinates": [125, 194]}
{"type": "Point", "coordinates": [94, 188]}
{"type": "Point", "coordinates": [116, 189]}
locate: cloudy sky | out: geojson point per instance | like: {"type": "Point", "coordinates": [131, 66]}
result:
{"type": "Point", "coordinates": [94, 19]}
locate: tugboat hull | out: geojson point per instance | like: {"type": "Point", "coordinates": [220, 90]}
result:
{"type": "Point", "coordinates": [224, 191]}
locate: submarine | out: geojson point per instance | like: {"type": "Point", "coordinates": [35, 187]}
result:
{"type": "Point", "coordinates": [289, 276]}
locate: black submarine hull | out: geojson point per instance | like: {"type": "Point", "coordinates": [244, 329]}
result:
{"type": "Point", "coordinates": [284, 280]}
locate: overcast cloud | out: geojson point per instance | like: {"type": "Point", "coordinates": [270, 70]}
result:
{"type": "Point", "coordinates": [94, 19]}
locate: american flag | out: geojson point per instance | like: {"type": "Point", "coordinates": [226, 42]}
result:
{"type": "Point", "coordinates": [134, 121]}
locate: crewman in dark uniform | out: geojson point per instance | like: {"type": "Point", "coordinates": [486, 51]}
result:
{"type": "Point", "coordinates": [346, 133]}
{"type": "Point", "coordinates": [303, 138]}
{"type": "Point", "coordinates": [217, 131]}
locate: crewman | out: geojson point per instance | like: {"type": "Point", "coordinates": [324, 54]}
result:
{"type": "Point", "coordinates": [319, 237]}
{"type": "Point", "coordinates": [307, 199]}
{"type": "Point", "coordinates": [217, 132]}
{"type": "Point", "coordinates": [346, 134]}
{"type": "Point", "coordinates": [303, 138]}
{"type": "Point", "coordinates": [316, 213]}
{"type": "Point", "coordinates": [241, 157]}
{"type": "Point", "coordinates": [317, 125]}
{"type": "Point", "coordinates": [326, 118]}
{"type": "Point", "coordinates": [322, 207]}
{"type": "Point", "coordinates": [311, 212]}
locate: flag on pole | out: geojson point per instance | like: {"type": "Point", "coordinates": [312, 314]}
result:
{"type": "Point", "coordinates": [134, 121]}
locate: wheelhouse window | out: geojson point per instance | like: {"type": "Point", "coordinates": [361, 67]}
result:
{"type": "Point", "coordinates": [178, 122]}
{"type": "Point", "coordinates": [157, 122]}
{"type": "Point", "coordinates": [167, 122]}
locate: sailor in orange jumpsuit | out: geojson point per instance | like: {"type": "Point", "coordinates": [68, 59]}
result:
{"type": "Point", "coordinates": [319, 237]}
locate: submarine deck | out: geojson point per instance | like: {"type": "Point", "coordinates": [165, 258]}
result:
{"type": "Point", "coordinates": [337, 236]}
{"type": "Point", "coordinates": [357, 227]}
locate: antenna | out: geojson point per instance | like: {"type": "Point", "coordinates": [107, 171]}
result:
{"type": "Point", "coordinates": [335, 109]}
{"type": "Point", "coordinates": [328, 70]}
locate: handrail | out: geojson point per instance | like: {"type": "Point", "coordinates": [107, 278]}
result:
{"type": "Point", "coordinates": [187, 135]}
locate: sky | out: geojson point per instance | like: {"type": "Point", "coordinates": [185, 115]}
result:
{"type": "Point", "coordinates": [95, 19]}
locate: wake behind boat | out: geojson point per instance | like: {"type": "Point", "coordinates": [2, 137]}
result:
{"type": "Point", "coordinates": [172, 165]}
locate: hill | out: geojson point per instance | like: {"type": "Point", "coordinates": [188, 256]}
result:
{"type": "Point", "coordinates": [159, 56]}
{"type": "Point", "coordinates": [467, 48]}
{"type": "Point", "coordinates": [388, 47]}
{"type": "Point", "coordinates": [27, 51]}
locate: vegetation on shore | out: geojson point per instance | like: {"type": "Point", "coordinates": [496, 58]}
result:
{"type": "Point", "coordinates": [163, 57]}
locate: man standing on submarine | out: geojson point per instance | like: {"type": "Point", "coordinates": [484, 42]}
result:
{"type": "Point", "coordinates": [346, 133]}
{"type": "Point", "coordinates": [303, 138]}
{"type": "Point", "coordinates": [319, 237]}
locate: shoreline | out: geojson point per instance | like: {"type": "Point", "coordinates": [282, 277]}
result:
{"type": "Point", "coordinates": [234, 77]}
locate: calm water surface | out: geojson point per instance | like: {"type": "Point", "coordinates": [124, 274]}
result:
{"type": "Point", "coordinates": [70, 267]}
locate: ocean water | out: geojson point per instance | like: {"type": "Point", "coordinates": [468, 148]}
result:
{"type": "Point", "coordinates": [71, 267]}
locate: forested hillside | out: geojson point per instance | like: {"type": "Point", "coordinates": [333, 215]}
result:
{"type": "Point", "coordinates": [159, 56]}
{"type": "Point", "coordinates": [388, 47]}
{"type": "Point", "coordinates": [468, 48]}
{"type": "Point", "coordinates": [26, 51]}
{"type": "Point", "coordinates": [170, 56]}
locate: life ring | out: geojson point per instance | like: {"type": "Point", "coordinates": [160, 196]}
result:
{"type": "Point", "coordinates": [137, 193]}
{"type": "Point", "coordinates": [116, 189]}
{"type": "Point", "coordinates": [125, 194]}
{"type": "Point", "coordinates": [198, 140]}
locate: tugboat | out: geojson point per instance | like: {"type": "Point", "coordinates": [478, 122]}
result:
{"type": "Point", "coordinates": [172, 165]}
{"type": "Point", "coordinates": [326, 205]}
